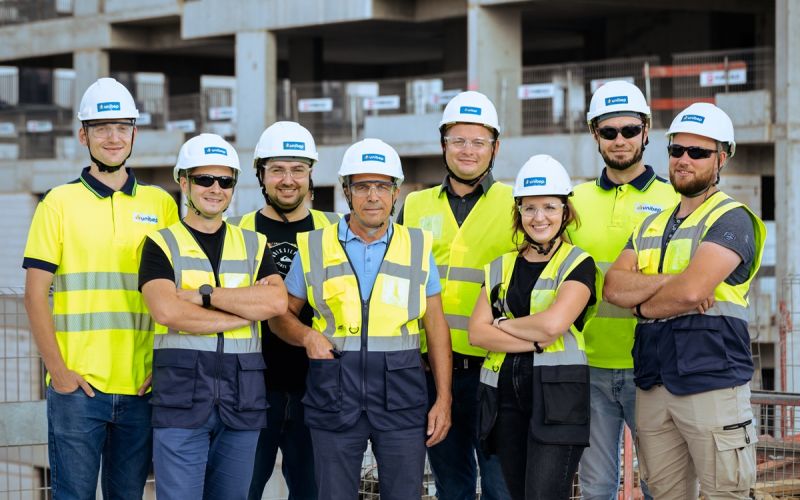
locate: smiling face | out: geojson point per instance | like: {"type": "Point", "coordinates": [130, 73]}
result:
{"type": "Point", "coordinates": [689, 176]}
{"type": "Point", "coordinates": [372, 202]}
{"type": "Point", "coordinates": [541, 217]}
{"type": "Point", "coordinates": [111, 144]}
{"type": "Point", "coordinates": [286, 182]}
{"type": "Point", "coordinates": [210, 201]}
{"type": "Point", "coordinates": [621, 153]}
{"type": "Point", "coordinates": [469, 162]}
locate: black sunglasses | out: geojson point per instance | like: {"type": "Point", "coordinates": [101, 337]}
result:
{"type": "Point", "coordinates": [628, 131]}
{"type": "Point", "coordinates": [205, 180]}
{"type": "Point", "coordinates": [695, 153]}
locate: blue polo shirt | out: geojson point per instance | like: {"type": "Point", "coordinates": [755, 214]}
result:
{"type": "Point", "coordinates": [366, 259]}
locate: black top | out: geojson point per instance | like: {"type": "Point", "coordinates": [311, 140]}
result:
{"type": "Point", "coordinates": [156, 265]}
{"type": "Point", "coordinates": [287, 365]}
{"type": "Point", "coordinates": [461, 205]}
{"type": "Point", "coordinates": [524, 278]}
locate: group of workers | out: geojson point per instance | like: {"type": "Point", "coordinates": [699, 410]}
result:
{"type": "Point", "coordinates": [508, 332]}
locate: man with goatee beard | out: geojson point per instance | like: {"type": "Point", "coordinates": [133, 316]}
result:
{"type": "Point", "coordinates": [686, 274]}
{"type": "Point", "coordinates": [625, 193]}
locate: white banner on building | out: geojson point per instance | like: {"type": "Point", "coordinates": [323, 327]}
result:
{"type": "Point", "coordinates": [39, 126]}
{"type": "Point", "coordinates": [536, 91]}
{"type": "Point", "coordinates": [716, 78]}
{"type": "Point", "coordinates": [145, 118]}
{"type": "Point", "coordinates": [317, 105]}
{"type": "Point", "coordinates": [182, 125]}
{"type": "Point", "coordinates": [382, 102]}
{"type": "Point", "coordinates": [599, 82]}
{"type": "Point", "coordinates": [222, 113]}
{"type": "Point", "coordinates": [444, 96]}
{"type": "Point", "coordinates": [7, 129]}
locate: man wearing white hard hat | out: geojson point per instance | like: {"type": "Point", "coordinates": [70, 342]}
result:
{"type": "Point", "coordinates": [626, 191]}
{"type": "Point", "coordinates": [283, 161]}
{"type": "Point", "coordinates": [97, 341]}
{"type": "Point", "coordinates": [469, 216]}
{"type": "Point", "coordinates": [369, 282]}
{"type": "Point", "coordinates": [686, 274]}
{"type": "Point", "coordinates": [208, 285]}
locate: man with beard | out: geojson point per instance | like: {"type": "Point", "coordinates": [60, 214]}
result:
{"type": "Point", "coordinates": [686, 274]}
{"type": "Point", "coordinates": [283, 159]}
{"type": "Point", "coordinates": [625, 193]}
{"type": "Point", "coordinates": [97, 340]}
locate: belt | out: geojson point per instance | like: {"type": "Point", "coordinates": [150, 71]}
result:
{"type": "Point", "coordinates": [461, 362]}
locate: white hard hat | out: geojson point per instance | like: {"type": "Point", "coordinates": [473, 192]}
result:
{"type": "Point", "coordinates": [107, 99]}
{"type": "Point", "coordinates": [286, 139]}
{"type": "Point", "coordinates": [542, 175]}
{"type": "Point", "coordinates": [707, 120]}
{"type": "Point", "coordinates": [203, 150]}
{"type": "Point", "coordinates": [371, 156]}
{"type": "Point", "coordinates": [470, 107]}
{"type": "Point", "coordinates": [617, 96]}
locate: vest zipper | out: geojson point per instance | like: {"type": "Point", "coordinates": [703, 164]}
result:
{"type": "Point", "coordinates": [364, 348]}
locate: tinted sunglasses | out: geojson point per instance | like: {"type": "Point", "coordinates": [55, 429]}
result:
{"type": "Point", "coordinates": [205, 180]}
{"type": "Point", "coordinates": [628, 131]}
{"type": "Point", "coordinates": [695, 153]}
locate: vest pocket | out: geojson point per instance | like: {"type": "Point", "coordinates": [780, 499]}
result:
{"type": "Point", "coordinates": [252, 391]}
{"type": "Point", "coordinates": [405, 380]}
{"type": "Point", "coordinates": [735, 460]}
{"type": "Point", "coordinates": [323, 385]}
{"type": "Point", "coordinates": [174, 376]}
{"type": "Point", "coordinates": [699, 346]}
{"type": "Point", "coordinates": [565, 391]}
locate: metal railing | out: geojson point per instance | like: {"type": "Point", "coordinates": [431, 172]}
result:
{"type": "Point", "coordinates": [26, 11]}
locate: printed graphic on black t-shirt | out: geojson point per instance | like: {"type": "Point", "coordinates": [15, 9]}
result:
{"type": "Point", "coordinates": [283, 253]}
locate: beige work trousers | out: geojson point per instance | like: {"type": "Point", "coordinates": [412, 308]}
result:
{"type": "Point", "coordinates": [681, 439]}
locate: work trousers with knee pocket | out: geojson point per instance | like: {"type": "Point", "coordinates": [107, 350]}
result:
{"type": "Point", "coordinates": [709, 436]}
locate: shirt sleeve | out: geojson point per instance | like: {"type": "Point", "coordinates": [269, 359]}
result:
{"type": "Point", "coordinates": [295, 282]}
{"type": "Point", "coordinates": [433, 286]}
{"type": "Point", "coordinates": [45, 243]}
{"type": "Point", "coordinates": [154, 264]}
{"type": "Point", "coordinates": [734, 230]}
{"type": "Point", "coordinates": [585, 273]}
{"type": "Point", "coordinates": [268, 266]}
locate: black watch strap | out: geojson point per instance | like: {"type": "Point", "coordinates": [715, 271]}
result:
{"type": "Point", "coordinates": [205, 293]}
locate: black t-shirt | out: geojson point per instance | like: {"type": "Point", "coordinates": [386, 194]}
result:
{"type": "Point", "coordinates": [156, 265]}
{"type": "Point", "coordinates": [286, 364]}
{"type": "Point", "coordinates": [524, 278]}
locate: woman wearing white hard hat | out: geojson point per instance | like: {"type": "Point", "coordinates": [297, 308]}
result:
{"type": "Point", "coordinates": [207, 284]}
{"type": "Point", "coordinates": [535, 379]}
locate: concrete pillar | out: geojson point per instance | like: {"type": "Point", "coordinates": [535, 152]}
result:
{"type": "Point", "coordinates": [256, 85]}
{"type": "Point", "coordinates": [494, 60]}
{"type": "Point", "coordinates": [787, 176]}
{"type": "Point", "coordinates": [89, 65]}
{"type": "Point", "coordinates": [86, 7]}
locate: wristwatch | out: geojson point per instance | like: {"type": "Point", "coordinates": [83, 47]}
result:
{"type": "Point", "coordinates": [205, 292]}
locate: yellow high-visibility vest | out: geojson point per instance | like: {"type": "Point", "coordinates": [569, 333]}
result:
{"type": "Point", "coordinates": [392, 312]}
{"type": "Point", "coordinates": [461, 252]}
{"type": "Point", "coordinates": [320, 219]}
{"type": "Point", "coordinates": [730, 300]}
{"type": "Point", "coordinates": [242, 252]}
{"type": "Point", "coordinates": [569, 349]}
{"type": "Point", "coordinates": [607, 218]}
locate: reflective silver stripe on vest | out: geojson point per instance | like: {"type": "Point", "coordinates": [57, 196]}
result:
{"type": "Point", "coordinates": [571, 355]}
{"type": "Point", "coordinates": [332, 217]}
{"type": "Point", "coordinates": [561, 275]}
{"type": "Point", "coordinates": [720, 308]}
{"type": "Point", "coordinates": [490, 377]}
{"type": "Point", "coordinates": [235, 220]}
{"type": "Point", "coordinates": [317, 275]}
{"type": "Point", "coordinates": [608, 310]}
{"type": "Point", "coordinates": [96, 281]}
{"type": "Point", "coordinates": [457, 321]}
{"type": "Point", "coordinates": [174, 340]}
{"type": "Point", "coordinates": [466, 274]}
{"type": "Point", "coordinates": [102, 321]}
{"type": "Point", "coordinates": [181, 263]}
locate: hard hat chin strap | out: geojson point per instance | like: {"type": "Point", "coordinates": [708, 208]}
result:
{"type": "Point", "coordinates": [104, 167]}
{"type": "Point", "coordinates": [546, 248]}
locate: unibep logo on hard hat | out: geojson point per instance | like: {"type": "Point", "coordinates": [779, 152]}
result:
{"type": "Point", "coordinates": [619, 99]}
{"type": "Point", "coordinates": [215, 150]}
{"type": "Point", "coordinates": [693, 118]}
{"type": "Point", "coordinates": [108, 106]}
{"type": "Point", "coordinates": [373, 157]}
{"type": "Point", "coordinates": [294, 145]}
{"type": "Point", "coordinates": [470, 110]}
{"type": "Point", "coordinates": [534, 181]}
